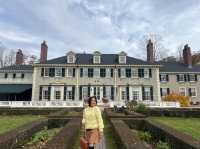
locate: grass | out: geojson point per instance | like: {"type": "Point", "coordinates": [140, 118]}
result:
{"type": "Point", "coordinates": [188, 126]}
{"type": "Point", "coordinates": [108, 134]}
{"type": "Point", "coordinates": [10, 122]}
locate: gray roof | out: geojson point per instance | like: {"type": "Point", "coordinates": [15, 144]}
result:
{"type": "Point", "coordinates": [106, 59]}
{"type": "Point", "coordinates": [177, 67]}
{"type": "Point", "coordinates": [17, 68]}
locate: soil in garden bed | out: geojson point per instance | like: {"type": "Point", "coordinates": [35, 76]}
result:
{"type": "Point", "coordinates": [39, 139]}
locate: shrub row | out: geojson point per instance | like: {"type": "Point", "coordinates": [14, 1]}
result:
{"type": "Point", "coordinates": [126, 139]}
{"type": "Point", "coordinates": [175, 112]}
{"type": "Point", "coordinates": [19, 135]}
{"type": "Point", "coordinates": [176, 139]}
{"type": "Point", "coordinates": [66, 137]}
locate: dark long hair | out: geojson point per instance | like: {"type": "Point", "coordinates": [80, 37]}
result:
{"type": "Point", "coordinates": [90, 99]}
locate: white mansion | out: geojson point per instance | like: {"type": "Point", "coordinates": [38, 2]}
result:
{"type": "Point", "coordinates": [116, 77]}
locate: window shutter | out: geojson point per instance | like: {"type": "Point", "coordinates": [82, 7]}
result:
{"type": "Point", "coordinates": [74, 72]}
{"type": "Point", "coordinates": [49, 93]}
{"type": "Point", "coordinates": [143, 97]}
{"type": "Point", "coordinates": [142, 71]}
{"type": "Point", "coordinates": [151, 91]}
{"type": "Point", "coordinates": [63, 72]}
{"type": "Point", "coordinates": [127, 92]}
{"type": "Point", "coordinates": [80, 93]}
{"type": "Point", "coordinates": [161, 93]}
{"type": "Point", "coordinates": [51, 72]}
{"type": "Point", "coordinates": [104, 91]}
{"type": "Point", "coordinates": [73, 92]}
{"type": "Point", "coordinates": [81, 72]}
{"type": "Point", "coordinates": [112, 93]}
{"type": "Point", "coordinates": [88, 91]}
{"type": "Point", "coordinates": [177, 77]}
{"type": "Point", "coordinates": [111, 72]}
{"type": "Point", "coordinates": [168, 91]}
{"type": "Point", "coordinates": [40, 96]}
{"type": "Point", "coordinates": [42, 72]}
{"type": "Point", "coordinates": [65, 92]}
{"type": "Point", "coordinates": [189, 92]}
{"type": "Point", "coordinates": [185, 77]}
{"type": "Point", "coordinates": [160, 77]}
{"type": "Point", "coordinates": [196, 77]}
{"type": "Point", "coordinates": [150, 73]}
{"type": "Point", "coordinates": [119, 73]}
{"type": "Point", "coordinates": [167, 77]}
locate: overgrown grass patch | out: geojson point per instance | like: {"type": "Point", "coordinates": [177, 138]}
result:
{"type": "Point", "coordinates": [10, 122]}
{"type": "Point", "coordinates": [189, 126]}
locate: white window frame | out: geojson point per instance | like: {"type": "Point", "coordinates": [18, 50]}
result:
{"type": "Point", "coordinates": [146, 73]}
{"type": "Point", "coordinates": [135, 95]}
{"type": "Point", "coordinates": [147, 93]}
{"type": "Point", "coordinates": [134, 72]}
{"type": "Point", "coordinates": [181, 76]}
{"type": "Point", "coordinates": [70, 72]}
{"type": "Point", "coordinates": [85, 72]}
{"type": "Point", "coordinates": [69, 93]}
{"type": "Point", "coordinates": [45, 90]}
{"type": "Point", "coordinates": [108, 72]}
{"type": "Point", "coordinates": [96, 73]}
{"type": "Point", "coordinates": [164, 91]}
{"type": "Point", "coordinates": [46, 72]}
{"type": "Point", "coordinates": [163, 77]}
{"type": "Point", "coordinates": [96, 59]}
{"type": "Point", "coordinates": [70, 59]}
{"type": "Point", "coordinates": [58, 72]}
{"type": "Point", "coordinates": [193, 75]}
{"type": "Point", "coordinates": [194, 92]}
{"type": "Point", "coordinates": [123, 72]}
{"type": "Point", "coordinates": [182, 90]}
{"type": "Point", "coordinates": [122, 59]}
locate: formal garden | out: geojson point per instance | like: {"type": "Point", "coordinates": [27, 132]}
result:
{"type": "Point", "coordinates": [133, 127]}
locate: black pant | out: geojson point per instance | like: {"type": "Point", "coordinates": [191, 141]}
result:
{"type": "Point", "coordinates": [91, 147]}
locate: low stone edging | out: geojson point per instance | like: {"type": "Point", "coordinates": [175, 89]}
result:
{"type": "Point", "coordinates": [66, 137]}
{"type": "Point", "coordinates": [13, 138]}
{"type": "Point", "coordinates": [126, 138]}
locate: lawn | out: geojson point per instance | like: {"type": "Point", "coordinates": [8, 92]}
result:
{"type": "Point", "coordinates": [189, 126]}
{"type": "Point", "coordinates": [9, 122]}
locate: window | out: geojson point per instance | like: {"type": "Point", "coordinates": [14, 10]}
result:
{"type": "Point", "coordinates": [141, 73]}
{"type": "Point", "coordinates": [180, 77]}
{"type": "Point", "coordinates": [108, 92]}
{"type": "Point", "coordinates": [69, 93]}
{"type": "Point", "coordinates": [134, 72]}
{"type": "Point", "coordinates": [128, 72]}
{"type": "Point", "coordinates": [163, 77]}
{"type": "Point", "coordinates": [135, 95]}
{"type": "Point", "coordinates": [123, 95]}
{"type": "Point", "coordinates": [108, 72]}
{"type": "Point", "coordinates": [57, 94]}
{"type": "Point", "coordinates": [164, 91]}
{"type": "Point", "coordinates": [122, 59]}
{"type": "Point", "coordinates": [84, 92]}
{"type": "Point", "coordinates": [90, 72]}
{"type": "Point", "coordinates": [97, 59]}
{"type": "Point", "coordinates": [22, 75]}
{"type": "Point", "coordinates": [123, 73]}
{"type": "Point", "coordinates": [192, 92]}
{"type": "Point", "coordinates": [58, 72]}
{"type": "Point", "coordinates": [85, 72]}
{"type": "Point", "coordinates": [46, 72]}
{"type": "Point", "coordinates": [103, 72]}
{"type": "Point", "coordinates": [146, 73]}
{"type": "Point", "coordinates": [45, 94]}
{"type": "Point", "coordinates": [96, 72]}
{"type": "Point", "coordinates": [70, 59]}
{"type": "Point", "coordinates": [69, 72]}
{"type": "Point", "coordinates": [6, 75]}
{"type": "Point", "coordinates": [182, 91]}
{"type": "Point", "coordinates": [192, 77]}
{"type": "Point", "coordinates": [147, 93]}
{"type": "Point", "coordinates": [14, 75]}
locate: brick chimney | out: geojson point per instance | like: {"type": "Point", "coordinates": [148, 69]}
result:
{"type": "Point", "coordinates": [150, 55]}
{"type": "Point", "coordinates": [187, 56]}
{"type": "Point", "coordinates": [43, 53]}
{"type": "Point", "coordinates": [19, 57]}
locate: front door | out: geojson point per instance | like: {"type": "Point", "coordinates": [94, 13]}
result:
{"type": "Point", "coordinates": [98, 92]}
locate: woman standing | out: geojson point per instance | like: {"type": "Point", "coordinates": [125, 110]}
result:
{"type": "Point", "coordinates": [93, 122]}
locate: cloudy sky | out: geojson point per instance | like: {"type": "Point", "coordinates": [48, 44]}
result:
{"type": "Point", "coordinates": [105, 25]}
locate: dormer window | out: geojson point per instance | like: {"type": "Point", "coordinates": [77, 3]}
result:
{"type": "Point", "coordinates": [71, 57]}
{"type": "Point", "coordinates": [97, 57]}
{"type": "Point", "coordinates": [122, 57]}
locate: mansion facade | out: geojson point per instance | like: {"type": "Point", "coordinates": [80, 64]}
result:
{"type": "Point", "coordinates": [116, 77]}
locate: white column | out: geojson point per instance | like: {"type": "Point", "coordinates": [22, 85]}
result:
{"type": "Point", "coordinates": [91, 90]}
{"type": "Point", "coordinates": [130, 93]}
{"type": "Point", "coordinates": [52, 93]}
{"type": "Point", "coordinates": [77, 84]}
